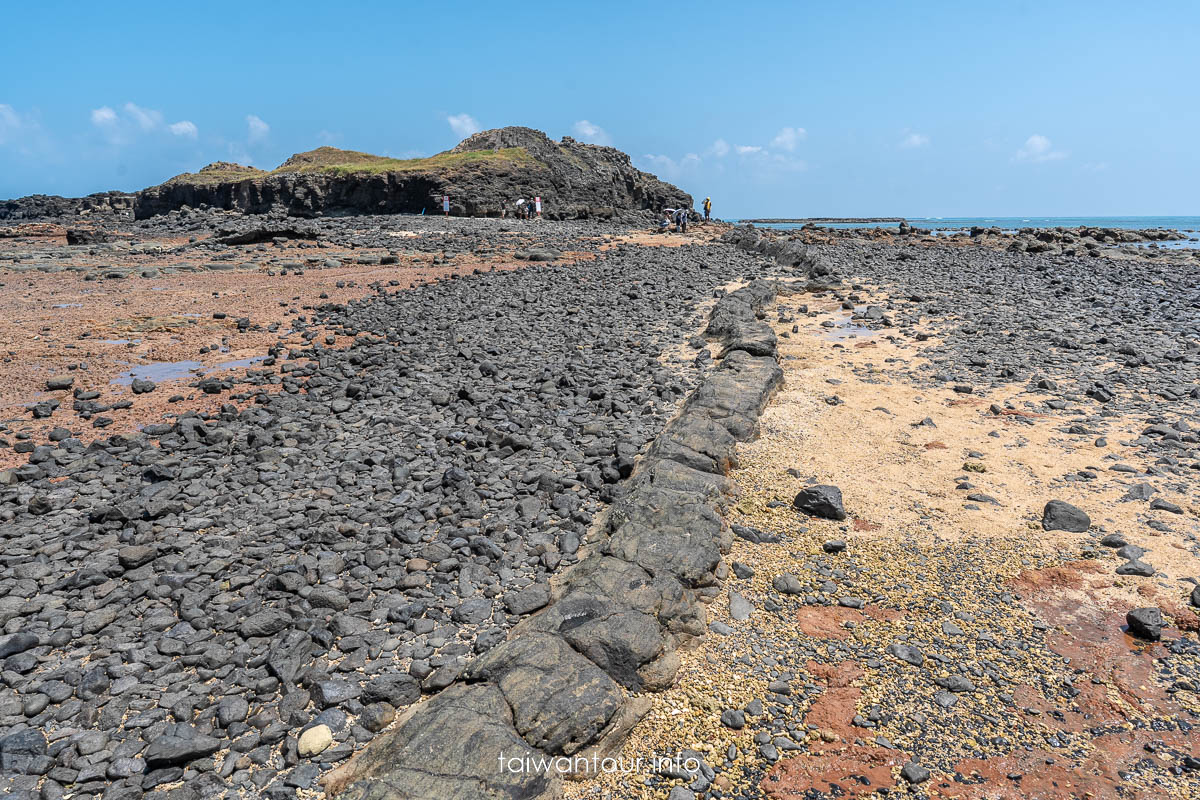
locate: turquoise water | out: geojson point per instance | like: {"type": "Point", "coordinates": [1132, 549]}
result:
{"type": "Point", "coordinates": [1186, 225]}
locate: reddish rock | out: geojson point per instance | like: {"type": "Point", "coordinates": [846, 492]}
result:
{"type": "Point", "coordinates": [848, 772]}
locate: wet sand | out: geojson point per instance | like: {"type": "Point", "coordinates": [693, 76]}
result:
{"type": "Point", "coordinates": [171, 328]}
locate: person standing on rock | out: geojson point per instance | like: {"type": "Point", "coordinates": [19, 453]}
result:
{"type": "Point", "coordinates": [707, 208]}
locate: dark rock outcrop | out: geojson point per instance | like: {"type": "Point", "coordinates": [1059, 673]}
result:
{"type": "Point", "coordinates": [483, 176]}
{"type": "Point", "coordinates": [39, 206]}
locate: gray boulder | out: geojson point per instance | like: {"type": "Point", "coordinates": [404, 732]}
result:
{"type": "Point", "coordinates": [454, 747]}
{"type": "Point", "coordinates": [560, 700]}
{"type": "Point", "coordinates": [619, 640]}
{"type": "Point", "coordinates": [397, 690]}
{"type": "Point", "coordinates": [736, 392]}
{"type": "Point", "coordinates": [907, 653]}
{"type": "Point", "coordinates": [264, 623]}
{"type": "Point", "coordinates": [823, 501]}
{"type": "Point", "coordinates": [667, 532]}
{"type": "Point", "coordinates": [787, 583]}
{"type": "Point", "coordinates": [695, 440]}
{"type": "Point", "coordinates": [171, 750]}
{"type": "Point", "coordinates": [662, 596]}
{"type": "Point", "coordinates": [528, 600]}
{"type": "Point", "coordinates": [24, 752]}
{"type": "Point", "coordinates": [1145, 623]}
{"type": "Point", "coordinates": [1062, 516]}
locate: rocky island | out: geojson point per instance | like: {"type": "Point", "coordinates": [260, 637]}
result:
{"type": "Point", "coordinates": [483, 176]}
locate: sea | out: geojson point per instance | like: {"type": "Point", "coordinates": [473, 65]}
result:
{"type": "Point", "coordinates": [1189, 226]}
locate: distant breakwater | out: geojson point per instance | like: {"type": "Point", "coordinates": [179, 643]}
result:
{"type": "Point", "coordinates": [825, 219]}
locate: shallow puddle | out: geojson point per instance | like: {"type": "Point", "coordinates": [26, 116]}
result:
{"type": "Point", "coordinates": [238, 363]}
{"type": "Point", "coordinates": [158, 371]}
{"type": "Point", "coordinates": [175, 370]}
{"type": "Point", "coordinates": [844, 328]}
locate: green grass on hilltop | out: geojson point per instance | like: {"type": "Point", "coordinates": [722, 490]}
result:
{"type": "Point", "coordinates": [332, 161]}
{"type": "Point", "coordinates": [350, 162]}
{"type": "Point", "coordinates": [220, 172]}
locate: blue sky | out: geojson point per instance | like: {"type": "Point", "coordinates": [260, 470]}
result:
{"type": "Point", "coordinates": [785, 109]}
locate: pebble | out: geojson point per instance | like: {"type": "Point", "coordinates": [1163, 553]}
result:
{"type": "Point", "coordinates": [914, 773]}
{"type": "Point", "coordinates": [314, 741]}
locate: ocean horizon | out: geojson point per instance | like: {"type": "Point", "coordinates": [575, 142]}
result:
{"type": "Point", "coordinates": [1179, 223]}
{"type": "Point", "coordinates": [1188, 225]}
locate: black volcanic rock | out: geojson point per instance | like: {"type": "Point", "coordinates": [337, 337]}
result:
{"type": "Point", "coordinates": [821, 501]}
{"type": "Point", "coordinates": [39, 206]}
{"type": "Point", "coordinates": [484, 175]}
{"type": "Point", "coordinates": [1062, 516]}
{"type": "Point", "coordinates": [87, 236]}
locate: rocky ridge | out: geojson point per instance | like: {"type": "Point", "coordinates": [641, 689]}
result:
{"type": "Point", "coordinates": [560, 685]}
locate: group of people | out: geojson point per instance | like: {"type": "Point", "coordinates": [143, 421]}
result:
{"type": "Point", "coordinates": [679, 217]}
{"type": "Point", "coordinates": [524, 209]}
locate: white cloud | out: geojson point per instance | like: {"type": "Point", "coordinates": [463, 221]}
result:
{"type": "Point", "coordinates": [463, 125]}
{"type": "Point", "coordinates": [146, 119]}
{"type": "Point", "coordinates": [788, 138]}
{"type": "Point", "coordinates": [11, 123]}
{"type": "Point", "coordinates": [788, 163]}
{"type": "Point", "coordinates": [1037, 149]}
{"type": "Point", "coordinates": [184, 128]}
{"type": "Point", "coordinates": [747, 149]}
{"type": "Point", "coordinates": [669, 167]}
{"type": "Point", "coordinates": [124, 126]}
{"type": "Point", "coordinates": [591, 132]}
{"type": "Point", "coordinates": [103, 116]}
{"type": "Point", "coordinates": [258, 130]}
{"type": "Point", "coordinates": [22, 132]}
{"type": "Point", "coordinates": [914, 140]}
{"type": "Point", "coordinates": [328, 137]}
{"type": "Point", "coordinates": [238, 154]}
{"type": "Point", "coordinates": [720, 148]}
{"type": "Point", "coordinates": [664, 164]}
{"type": "Point", "coordinates": [1096, 166]}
